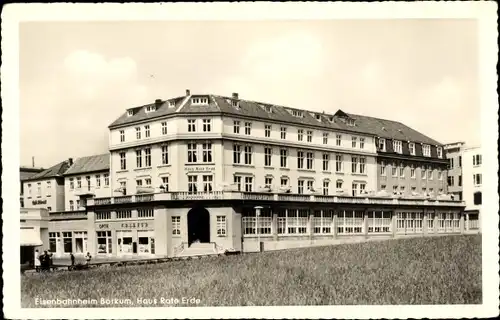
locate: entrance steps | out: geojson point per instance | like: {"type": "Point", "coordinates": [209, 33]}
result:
{"type": "Point", "coordinates": [198, 249]}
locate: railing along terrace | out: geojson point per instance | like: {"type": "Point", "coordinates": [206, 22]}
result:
{"type": "Point", "coordinates": [260, 196]}
{"type": "Point", "coordinates": [67, 214]}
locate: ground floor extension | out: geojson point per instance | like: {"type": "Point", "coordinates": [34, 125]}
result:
{"type": "Point", "coordinates": [153, 227]}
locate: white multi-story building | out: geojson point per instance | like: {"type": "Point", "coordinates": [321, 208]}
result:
{"type": "Point", "coordinates": [472, 181]}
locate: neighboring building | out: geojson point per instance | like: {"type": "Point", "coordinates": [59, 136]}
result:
{"type": "Point", "coordinates": [472, 183]}
{"type": "Point", "coordinates": [454, 153]}
{"type": "Point", "coordinates": [87, 177]}
{"type": "Point", "coordinates": [34, 233]}
{"type": "Point", "coordinates": [46, 189]}
{"type": "Point", "coordinates": [241, 175]}
{"type": "Point", "coordinates": [25, 173]}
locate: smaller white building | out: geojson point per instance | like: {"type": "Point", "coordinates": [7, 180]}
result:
{"type": "Point", "coordinates": [472, 182]}
{"type": "Point", "coordinates": [34, 232]}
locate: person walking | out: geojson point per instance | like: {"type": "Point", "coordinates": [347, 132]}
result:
{"type": "Point", "coordinates": [88, 257]}
{"type": "Point", "coordinates": [37, 261]}
{"type": "Point", "coordinates": [72, 259]}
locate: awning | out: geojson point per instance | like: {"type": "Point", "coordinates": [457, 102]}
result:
{"type": "Point", "coordinates": [29, 237]}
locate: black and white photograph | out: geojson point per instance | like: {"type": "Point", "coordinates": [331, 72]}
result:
{"type": "Point", "coordinates": [244, 160]}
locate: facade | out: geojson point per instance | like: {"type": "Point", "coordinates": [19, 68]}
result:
{"type": "Point", "coordinates": [204, 174]}
{"type": "Point", "coordinates": [454, 153]}
{"type": "Point", "coordinates": [46, 189]}
{"type": "Point", "coordinates": [34, 232]}
{"type": "Point", "coordinates": [25, 173]}
{"type": "Point", "coordinates": [472, 182]}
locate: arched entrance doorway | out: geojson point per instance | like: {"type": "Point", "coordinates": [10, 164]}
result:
{"type": "Point", "coordinates": [198, 225]}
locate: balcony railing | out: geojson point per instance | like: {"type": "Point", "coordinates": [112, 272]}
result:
{"type": "Point", "coordinates": [258, 196]}
{"type": "Point", "coordinates": [67, 214]}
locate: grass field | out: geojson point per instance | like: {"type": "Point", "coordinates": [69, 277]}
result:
{"type": "Point", "coordinates": [434, 270]}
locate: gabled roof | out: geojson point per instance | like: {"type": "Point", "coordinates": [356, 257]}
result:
{"type": "Point", "coordinates": [246, 108]}
{"type": "Point", "coordinates": [52, 172]}
{"type": "Point", "coordinates": [93, 163]}
{"type": "Point", "coordinates": [27, 172]}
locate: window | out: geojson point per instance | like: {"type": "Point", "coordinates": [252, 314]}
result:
{"type": "Point", "coordinates": [192, 184]}
{"type": "Point", "coordinates": [412, 171]}
{"type": "Point", "coordinates": [283, 158]}
{"type": "Point", "coordinates": [164, 128]}
{"type": "Point", "coordinates": [401, 170]}
{"type": "Point", "coordinates": [381, 144]}
{"type": "Point", "coordinates": [130, 113]}
{"type": "Point", "coordinates": [423, 174]}
{"type": "Point", "coordinates": [354, 164]}
{"type": "Point", "coordinates": [78, 182]}
{"type": "Point", "coordinates": [138, 183]}
{"type": "Point", "coordinates": [322, 221]}
{"type": "Point", "coordinates": [236, 127]}
{"type": "Point", "coordinates": [138, 158]}
{"type": "Point", "coordinates": [267, 130]}
{"type": "Point", "coordinates": [429, 173]}
{"type": "Point", "coordinates": [164, 154]}
{"type": "Point", "coordinates": [478, 198]}
{"type": "Point", "coordinates": [88, 182]}
{"type": "Point", "coordinates": [122, 135]}
{"type": "Point", "coordinates": [98, 180]}
{"type": "Point", "coordinates": [147, 157]}
{"type": "Point", "coordinates": [300, 135]}
{"type": "Point", "coordinates": [296, 221]}
{"type": "Point", "coordinates": [310, 160]}
{"type": "Point", "coordinates": [268, 182]}
{"type": "Point", "coordinates": [106, 179]}
{"type": "Point", "coordinates": [268, 152]}
{"type": "Point", "coordinates": [411, 147]}
{"type": "Point", "coordinates": [394, 170]}
{"type": "Point", "coordinates": [459, 181]}
{"type": "Point", "coordinates": [338, 163]}
{"type": "Point", "coordinates": [207, 183]}
{"type": "Point", "coordinates": [354, 142]}
{"type": "Point", "coordinates": [355, 186]}
{"type": "Point", "coordinates": [49, 185]}
{"type": "Point", "coordinates": [451, 181]}
{"type": "Point", "coordinates": [147, 131]}
{"type": "Point", "coordinates": [248, 128]}
{"type": "Point", "coordinates": [237, 182]}
{"type": "Point", "coordinates": [382, 168]}
{"type": "Point", "coordinates": [362, 165]}
{"type": "Point", "coordinates": [426, 150]}
{"type": "Point", "coordinates": [439, 152]}
{"type": "Point", "coordinates": [300, 159]}
{"type": "Point", "coordinates": [310, 185]}
{"type": "Point", "coordinates": [176, 225]}
{"type": "Point", "coordinates": [297, 113]}
{"type": "Point", "coordinates": [325, 137]}
{"type": "Point", "coordinates": [397, 146]}
{"type": "Point", "coordinates": [460, 161]}
{"type": "Point", "coordinates": [164, 182]}
{"type": "Point", "coordinates": [148, 182]}
{"type": "Point", "coordinates": [71, 205]}
{"type": "Point", "coordinates": [361, 143]}
{"type": "Point", "coordinates": [284, 182]}
{"type": "Point", "coordinates": [104, 242]}
{"type": "Point", "coordinates": [39, 189]}
{"type": "Point", "coordinates": [236, 154]}
{"type": "Point", "coordinates": [379, 221]}
{"type": "Point", "coordinates": [300, 186]}
{"type": "Point", "coordinates": [309, 136]}
{"type": "Point", "coordinates": [248, 184]}
{"type": "Point", "coordinates": [103, 215]}
{"type": "Point", "coordinates": [199, 100]}
{"type": "Point", "coordinates": [451, 164]}
{"type": "Point", "coordinates": [476, 160]}
{"type": "Point", "coordinates": [123, 186]}
{"type": "Point", "coordinates": [71, 185]}
{"type": "Point", "coordinates": [326, 187]}
{"type": "Point", "coordinates": [67, 242]}
{"type": "Point", "coordinates": [138, 133]}
{"type": "Point", "coordinates": [192, 153]}
{"type": "Point", "coordinates": [248, 154]}
{"type": "Point", "coordinates": [123, 161]}
{"type": "Point", "coordinates": [440, 175]}
{"type": "Point", "coordinates": [338, 140]}
{"type": "Point", "coordinates": [123, 214]}
{"type": "Point", "coordinates": [283, 132]}
{"type": "Point", "coordinates": [53, 237]}
{"type": "Point", "coordinates": [350, 221]}
{"type": "Point", "coordinates": [250, 221]}
{"type": "Point", "coordinates": [477, 179]}
{"type": "Point", "coordinates": [338, 185]}
{"type": "Point", "coordinates": [207, 152]}
{"type": "Point", "coordinates": [191, 125]}
{"type": "Point", "coordinates": [221, 226]}
{"type": "Point", "coordinates": [207, 125]}
{"type": "Point", "coordinates": [326, 161]}
{"type": "Point", "coordinates": [145, 213]}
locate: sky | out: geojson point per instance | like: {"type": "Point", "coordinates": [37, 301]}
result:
{"type": "Point", "coordinates": [76, 78]}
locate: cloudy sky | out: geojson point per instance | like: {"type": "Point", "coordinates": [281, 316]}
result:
{"type": "Point", "coordinates": [76, 78]}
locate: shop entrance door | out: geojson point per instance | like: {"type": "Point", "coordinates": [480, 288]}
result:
{"type": "Point", "coordinates": [198, 225]}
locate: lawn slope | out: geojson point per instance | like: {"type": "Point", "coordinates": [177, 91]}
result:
{"type": "Point", "coordinates": [434, 270]}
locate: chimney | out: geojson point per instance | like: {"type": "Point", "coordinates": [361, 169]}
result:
{"type": "Point", "coordinates": [158, 103]}
{"type": "Point", "coordinates": [33, 162]}
{"type": "Point", "coordinates": [235, 95]}
{"type": "Point", "coordinates": [70, 160]}
{"type": "Point", "coordinates": [188, 92]}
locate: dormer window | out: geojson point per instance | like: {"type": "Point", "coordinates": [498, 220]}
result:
{"type": "Point", "coordinates": [150, 108]}
{"type": "Point", "coordinates": [266, 108]}
{"type": "Point", "coordinates": [350, 122]}
{"type": "Point", "coordinates": [318, 117]}
{"type": "Point", "coordinates": [331, 119]}
{"type": "Point", "coordinates": [130, 113]}
{"type": "Point", "coordinates": [440, 152]}
{"type": "Point", "coordinates": [381, 144]}
{"type": "Point", "coordinates": [297, 113]}
{"type": "Point", "coordinates": [397, 146]}
{"type": "Point", "coordinates": [235, 103]}
{"type": "Point", "coordinates": [171, 103]}
{"type": "Point", "coordinates": [411, 146]}
{"type": "Point", "coordinates": [426, 150]}
{"type": "Point", "coordinates": [199, 100]}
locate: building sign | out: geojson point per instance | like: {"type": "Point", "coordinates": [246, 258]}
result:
{"type": "Point", "coordinates": [103, 226]}
{"type": "Point", "coordinates": [211, 168]}
{"type": "Point", "coordinates": [35, 202]}
{"type": "Point", "coordinates": [134, 225]}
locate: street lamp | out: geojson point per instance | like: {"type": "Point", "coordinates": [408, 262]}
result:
{"type": "Point", "coordinates": [257, 214]}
